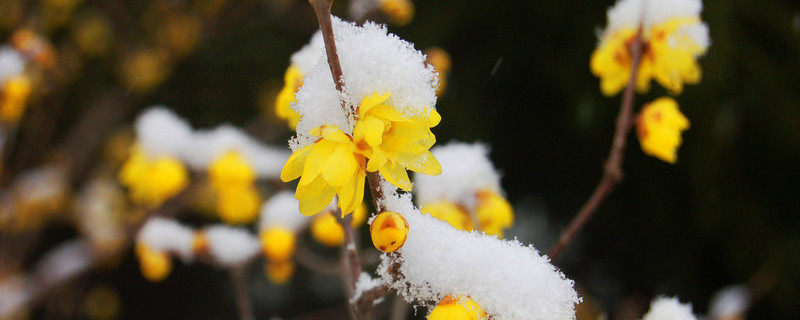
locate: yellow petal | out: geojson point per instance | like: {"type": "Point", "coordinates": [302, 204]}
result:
{"type": "Point", "coordinates": [396, 175]}
{"type": "Point", "coordinates": [340, 166]}
{"type": "Point", "coordinates": [294, 166]}
{"type": "Point", "coordinates": [368, 102]}
{"type": "Point", "coordinates": [313, 205]}
{"type": "Point", "coordinates": [373, 130]}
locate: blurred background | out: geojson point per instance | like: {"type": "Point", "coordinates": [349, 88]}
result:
{"type": "Point", "coordinates": [727, 213]}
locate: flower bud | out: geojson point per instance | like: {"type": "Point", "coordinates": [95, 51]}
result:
{"type": "Point", "coordinates": [389, 231]}
{"type": "Point", "coordinates": [155, 265]}
{"type": "Point", "coordinates": [457, 308]}
{"type": "Point", "coordinates": [278, 244]}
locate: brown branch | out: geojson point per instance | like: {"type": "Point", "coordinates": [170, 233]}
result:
{"type": "Point", "coordinates": [243, 301]}
{"type": "Point", "coordinates": [612, 174]}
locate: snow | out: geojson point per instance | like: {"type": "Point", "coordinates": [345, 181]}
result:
{"type": "Point", "coordinates": [167, 235]}
{"type": "Point", "coordinates": [12, 63]}
{"type": "Point", "coordinates": [282, 210]}
{"type": "Point", "coordinates": [230, 246]}
{"type": "Point", "coordinates": [466, 169]}
{"type": "Point", "coordinates": [664, 308]}
{"type": "Point", "coordinates": [508, 279]}
{"type": "Point", "coordinates": [729, 302]}
{"type": "Point", "coordinates": [161, 132]}
{"type": "Point", "coordinates": [630, 13]}
{"type": "Point", "coordinates": [372, 60]}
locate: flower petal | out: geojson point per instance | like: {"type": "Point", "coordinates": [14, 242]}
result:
{"type": "Point", "coordinates": [396, 175]}
{"type": "Point", "coordinates": [339, 166]}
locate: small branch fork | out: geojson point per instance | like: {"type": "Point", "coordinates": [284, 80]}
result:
{"type": "Point", "coordinates": [359, 309]}
{"type": "Point", "coordinates": [612, 173]}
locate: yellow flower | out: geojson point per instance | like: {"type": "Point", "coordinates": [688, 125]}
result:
{"type": "Point", "coordinates": [659, 129]}
{"type": "Point", "coordinates": [457, 308]}
{"type": "Point", "coordinates": [388, 231]}
{"type": "Point", "coordinates": [449, 212]}
{"type": "Point", "coordinates": [13, 97]}
{"type": "Point", "coordinates": [327, 231]}
{"type": "Point", "coordinates": [230, 171]}
{"type": "Point", "coordinates": [277, 243]}
{"type": "Point", "coordinates": [155, 265]}
{"type": "Point", "coordinates": [673, 54]}
{"type": "Point", "coordinates": [393, 142]}
{"type": "Point", "coordinates": [152, 181]}
{"type": "Point", "coordinates": [292, 81]}
{"type": "Point", "coordinates": [279, 272]}
{"type": "Point", "coordinates": [400, 12]}
{"type": "Point", "coordinates": [232, 179]}
{"type": "Point", "coordinates": [494, 213]}
{"type": "Point", "coordinates": [668, 56]}
{"type": "Point", "coordinates": [331, 166]}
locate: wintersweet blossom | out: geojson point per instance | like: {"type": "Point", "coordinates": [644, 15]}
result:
{"type": "Point", "coordinates": [155, 265]}
{"type": "Point", "coordinates": [467, 195]}
{"type": "Point", "coordinates": [232, 179]}
{"type": "Point", "coordinates": [457, 308]}
{"type": "Point", "coordinates": [292, 80]}
{"type": "Point", "coordinates": [279, 272]}
{"type": "Point", "coordinates": [278, 244]}
{"type": "Point", "coordinates": [392, 93]}
{"type": "Point", "coordinates": [672, 36]}
{"type": "Point", "coordinates": [326, 230]}
{"type": "Point", "coordinates": [13, 98]}
{"type": "Point", "coordinates": [389, 231]}
{"type": "Point", "coordinates": [400, 12]}
{"type": "Point", "coordinates": [659, 128]}
{"type": "Point", "coordinates": [329, 167]}
{"type": "Point", "coordinates": [152, 181]}
{"type": "Point", "coordinates": [394, 142]}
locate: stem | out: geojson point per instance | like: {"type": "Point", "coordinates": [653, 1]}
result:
{"type": "Point", "coordinates": [612, 173]}
{"type": "Point", "coordinates": [243, 302]}
{"type": "Point", "coordinates": [322, 8]}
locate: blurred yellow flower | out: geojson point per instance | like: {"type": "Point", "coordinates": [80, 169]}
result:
{"type": "Point", "coordinates": [449, 212]}
{"type": "Point", "coordinates": [155, 265]}
{"type": "Point", "coordinates": [668, 55]}
{"type": "Point", "coordinates": [400, 12]}
{"type": "Point", "coordinates": [13, 98]}
{"type": "Point", "coordinates": [279, 272]}
{"type": "Point", "coordinates": [327, 231]}
{"type": "Point", "coordinates": [292, 81]}
{"type": "Point", "coordinates": [232, 179]}
{"type": "Point", "coordinates": [457, 308]}
{"type": "Point", "coordinates": [152, 181]}
{"type": "Point", "coordinates": [494, 213]}
{"type": "Point", "coordinates": [393, 142]}
{"type": "Point", "coordinates": [331, 166]}
{"type": "Point", "coordinates": [440, 60]}
{"type": "Point", "coordinates": [278, 243]}
{"type": "Point", "coordinates": [659, 128]}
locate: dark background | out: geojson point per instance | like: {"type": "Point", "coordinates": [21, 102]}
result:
{"type": "Point", "coordinates": [726, 213]}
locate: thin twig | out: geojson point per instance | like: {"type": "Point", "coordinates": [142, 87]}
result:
{"type": "Point", "coordinates": [243, 301]}
{"type": "Point", "coordinates": [612, 173]}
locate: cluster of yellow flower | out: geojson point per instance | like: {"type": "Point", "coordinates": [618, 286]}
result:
{"type": "Point", "coordinates": [669, 47]}
{"type": "Point", "coordinates": [336, 164]}
{"type": "Point", "coordinates": [492, 214]}
{"type": "Point", "coordinates": [233, 181]}
{"type": "Point", "coordinates": [151, 181]}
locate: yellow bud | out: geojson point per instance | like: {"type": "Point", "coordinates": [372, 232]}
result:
{"type": "Point", "coordinates": [389, 231]}
{"type": "Point", "coordinates": [102, 303]}
{"type": "Point", "coordinates": [230, 170]}
{"type": "Point", "coordinates": [200, 244]}
{"type": "Point", "coordinates": [155, 265]}
{"type": "Point", "coordinates": [400, 12]}
{"type": "Point", "coordinates": [278, 243]}
{"type": "Point", "coordinates": [145, 69]}
{"type": "Point", "coordinates": [151, 182]}
{"type": "Point", "coordinates": [457, 308]}
{"type": "Point", "coordinates": [440, 60]}
{"type": "Point", "coordinates": [279, 272]}
{"type": "Point", "coordinates": [238, 205]}
{"type": "Point", "coordinates": [92, 35]}
{"type": "Point", "coordinates": [359, 216]}
{"type": "Point", "coordinates": [292, 81]}
{"type": "Point", "coordinates": [13, 98]}
{"type": "Point", "coordinates": [326, 230]}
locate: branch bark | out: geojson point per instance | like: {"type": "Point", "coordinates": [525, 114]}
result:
{"type": "Point", "coordinates": [612, 173]}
